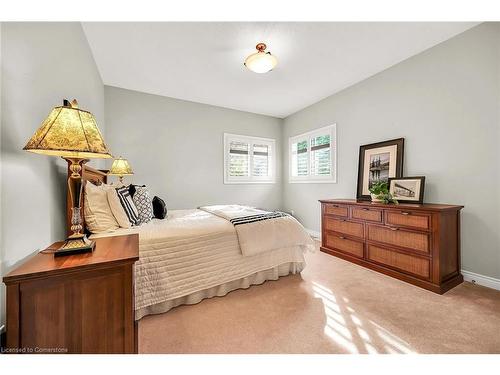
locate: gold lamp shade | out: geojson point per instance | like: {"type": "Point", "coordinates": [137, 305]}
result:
{"type": "Point", "coordinates": [69, 132]}
{"type": "Point", "coordinates": [121, 167]}
{"type": "Point", "coordinates": [73, 134]}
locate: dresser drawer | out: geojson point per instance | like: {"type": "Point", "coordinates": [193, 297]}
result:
{"type": "Point", "coordinates": [410, 219]}
{"type": "Point", "coordinates": [365, 213]}
{"type": "Point", "coordinates": [339, 242]}
{"type": "Point", "coordinates": [404, 262]}
{"type": "Point", "coordinates": [335, 209]}
{"type": "Point", "coordinates": [344, 226]}
{"type": "Point", "coordinates": [399, 237]}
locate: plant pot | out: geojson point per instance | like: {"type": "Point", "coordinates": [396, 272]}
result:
{"type": "Point", "coordinates": [376, 199]}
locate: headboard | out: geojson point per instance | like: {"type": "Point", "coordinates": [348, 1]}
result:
{"type": "Point", "coordinates": [93, 175]}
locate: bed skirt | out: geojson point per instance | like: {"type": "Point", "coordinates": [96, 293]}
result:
{"type": "Point", "coordinates": [223, 289]}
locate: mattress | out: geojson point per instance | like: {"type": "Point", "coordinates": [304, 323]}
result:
{"type": "Point", "coordinates": [192, 252]}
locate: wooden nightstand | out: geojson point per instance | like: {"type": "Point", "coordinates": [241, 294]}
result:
{"type": "Point", "coordinates": [75, 304]}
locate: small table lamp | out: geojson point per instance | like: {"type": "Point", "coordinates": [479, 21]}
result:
{"type": "Point", "coordinates": [120, 168]}
{"type": "Point", "coordinates": [73, 134]}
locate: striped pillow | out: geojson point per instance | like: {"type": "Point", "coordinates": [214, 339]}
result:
{"type": "Point", "coordinates": [128, 205]}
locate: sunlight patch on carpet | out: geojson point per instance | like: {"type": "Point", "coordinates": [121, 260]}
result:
{"type": "Point", "coordinates": [351, 332]}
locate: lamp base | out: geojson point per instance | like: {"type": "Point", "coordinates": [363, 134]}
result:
{"type": "Point", "coordinates": [75, 245]}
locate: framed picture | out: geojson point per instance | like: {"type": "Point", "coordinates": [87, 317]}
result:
{"type": "Point", "coordinates": [407, 189]}
{"type": "Point", "coordinates": [379, 162]}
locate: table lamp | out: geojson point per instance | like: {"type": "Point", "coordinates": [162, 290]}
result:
{"type": "Point", "coordinates": [120, 168]}
{"type": "Point", "coordinates": [71, 133]}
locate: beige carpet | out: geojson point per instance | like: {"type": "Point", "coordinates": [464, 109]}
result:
{"type": "Point", "coordinates": [333, 307]}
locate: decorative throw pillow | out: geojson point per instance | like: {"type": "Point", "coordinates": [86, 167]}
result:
{"type": "Point", "coordinates": [143, 203]}
{"type": "Point", "coordinates": [159, 208]}
{"type": "Point", "coordinates": [128, 205]}
{"type": "Point", "coordinates": [132, 188]}
{"type": "Point", "coordinates": [117, 209]}
{"type": "Point", "coordinates": [97, 212]}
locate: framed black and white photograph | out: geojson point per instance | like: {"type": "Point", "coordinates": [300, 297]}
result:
{"type": "Point", "coordinates": [407, 189]}
{"type": "Point", "coordinates": [379, 162]}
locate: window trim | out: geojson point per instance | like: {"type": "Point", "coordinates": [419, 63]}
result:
{"type": "Point", "coordinates": [228, 137]}
{"type": "Point", "coordinates": [331, 179]}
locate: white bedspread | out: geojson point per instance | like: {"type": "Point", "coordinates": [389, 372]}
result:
{"type": "Point", "coordinates": [190, 251]}
{"type": "Point", "coordinates": [259, 231]}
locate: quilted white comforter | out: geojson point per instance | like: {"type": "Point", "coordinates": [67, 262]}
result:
{"type": "Point", "coordinates": [190, 251]}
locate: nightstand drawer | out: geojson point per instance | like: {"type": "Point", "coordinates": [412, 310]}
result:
{"type": "Point", "coordinates": [345, 227]}
{"type": "Point", "coordinates": [339, 242]}
{"type": "Point", "coordinates": [93, 301]}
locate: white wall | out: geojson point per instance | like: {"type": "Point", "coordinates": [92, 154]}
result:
{"type": "Point", "coordinates": [176, 148]}
{"type": "Point", "coordinates": [445, 103]}
{"type": "Point", "coordinates": [42, 63]}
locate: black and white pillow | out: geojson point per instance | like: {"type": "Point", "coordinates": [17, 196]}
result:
{"type": "Point", "coordinates": [128, 205]}
{"type": "Point", "coordinates": [142, 201]}
{"type": "Point", "coordinates": [132, 188]}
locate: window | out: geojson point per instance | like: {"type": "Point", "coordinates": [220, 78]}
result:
{"type": "Point", "coordinates": [312, 156]}
{"type": "Point", "coordinates": [248, 159]}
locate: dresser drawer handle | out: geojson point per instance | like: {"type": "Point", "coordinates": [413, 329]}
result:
{"type": "Point", "coordinates": [393, 228]}
{"type": "Point", "coordinates": [366, 209]}
{"type": "Point", "coordinates": [405, 213]}
{"type": "Point", "coordinates": [335, 205]}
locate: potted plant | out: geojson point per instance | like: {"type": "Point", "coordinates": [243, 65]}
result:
{"type": "Point", "coordinates": [379, 192]}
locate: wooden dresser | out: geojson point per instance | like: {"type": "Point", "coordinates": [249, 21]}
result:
{"type": "Point", "coordinates": [80, 303]}
{"type": "Point", "coordinates": [419, 244]}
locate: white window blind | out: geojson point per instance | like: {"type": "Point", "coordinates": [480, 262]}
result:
{"type": "Point", "coordinates": [320, 155]}
{"type": "Point", "coordinates": [300, 158]}
{"type": "Point", "coordinates": [260, 160]}
{"type": "Point", "coordinates": [238, 159]}
{"type": "Point", "coordinates": [312, 156]}
{"type": "Point", "coordinates": [248, 159]}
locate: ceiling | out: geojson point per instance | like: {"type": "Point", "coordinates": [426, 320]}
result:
{"type": "Point", "coordinates": [203, 62]}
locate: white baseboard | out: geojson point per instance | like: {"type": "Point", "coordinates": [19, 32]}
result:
{"type": "Point", "coordinates": [314, 233]}
{"type": "Point", "coordinates": [486, 281]}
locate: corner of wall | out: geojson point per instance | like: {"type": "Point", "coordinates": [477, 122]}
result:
{"type": "Point", "coordinates": [92, 53]}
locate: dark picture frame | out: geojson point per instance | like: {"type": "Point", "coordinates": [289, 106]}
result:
{"type": "Point", "coordinates": [408, 193]}
{"type": "Point", "coordinates": [381, 156]}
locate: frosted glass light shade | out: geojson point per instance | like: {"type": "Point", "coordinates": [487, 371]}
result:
{"type": "Point", "coordinates": [261, 61]}
{"type": "Point", "coordinates": [69, 132]}
{"type": "Point", "coordinates": [121, 167]}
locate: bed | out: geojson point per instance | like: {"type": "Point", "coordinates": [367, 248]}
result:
{"type": "Point", "coordinates": [194, 254]}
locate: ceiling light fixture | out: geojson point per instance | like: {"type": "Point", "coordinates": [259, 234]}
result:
{"type": "Point", "coordinates": [261, 61]}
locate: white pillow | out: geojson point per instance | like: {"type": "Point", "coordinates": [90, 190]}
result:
{"type": "Point", "coordinates": [98, 215]}
{"type": "Point", "coordinates": [117, 208]}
